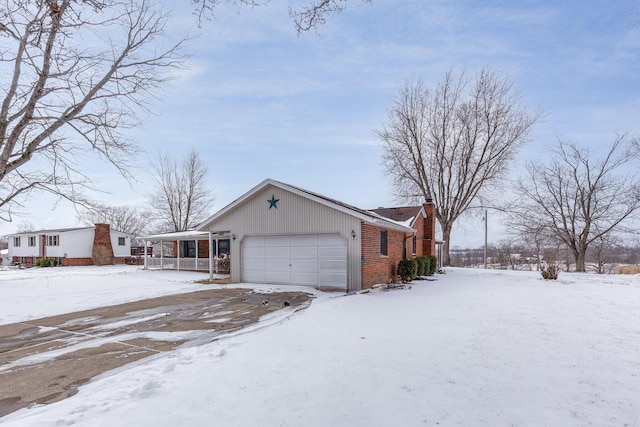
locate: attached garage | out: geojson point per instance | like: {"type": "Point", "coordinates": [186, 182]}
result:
{"type": "Point", "coordinates": [298, 259]}
{"type": "Point", "coordinates": [282, 234]}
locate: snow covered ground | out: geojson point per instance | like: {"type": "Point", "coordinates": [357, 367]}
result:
{"type": "Point", "coordinates": [474, 348]}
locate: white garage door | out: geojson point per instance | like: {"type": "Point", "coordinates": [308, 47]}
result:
{"type": "Point", "coordinates": [309, 259]}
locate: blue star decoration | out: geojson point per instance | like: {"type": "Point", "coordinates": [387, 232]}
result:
{"type": "Point", "coordinates": [273, 202]}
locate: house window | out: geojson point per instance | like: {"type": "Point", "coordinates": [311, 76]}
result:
{"type": "Point", "coordinates": [383, 243]}
{"type": "Point", "coordinates": [121, 241]}
{"type": "Point", "coordinates": [53, 240]}
{"type": "Point", "coordinates": [413, 245]}
{"type": "Point", "coordinates": [16, 241]}
{"type": "Point", "coordinates": [32, 240]}
{"type": "Point", "coordinates": [224, 247]}
{"type": "Point", "coordinates": [188, 249]}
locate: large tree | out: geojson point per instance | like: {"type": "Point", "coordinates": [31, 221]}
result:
{"type": "Point", "coordinates": [579, 199]}
{"type": "Point", "coordinates": [181, 197]}
{"type": "Point", "coordinates": [305, 15]}
{"type": "Point", "coordinates": [453, 143]}
{"type": "Point", "coordinates": [74, 73]}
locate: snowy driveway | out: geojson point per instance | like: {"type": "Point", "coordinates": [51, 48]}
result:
{"type": "Point", "coordinates": [46, 360]}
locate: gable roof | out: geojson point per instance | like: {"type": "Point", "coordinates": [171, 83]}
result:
{"type": "Point", "coordinates": [404, 214]}
{"type": "Point", "coordinates": [366, 216]}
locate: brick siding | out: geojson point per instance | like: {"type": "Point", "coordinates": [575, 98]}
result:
{"type": "Point", "coordinates": [429, 229]}
{"type": "Point", "coordinates": [102, 239]}
{"type": "Point", "coordinates": [377, 268]}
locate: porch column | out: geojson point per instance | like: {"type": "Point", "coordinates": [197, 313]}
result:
{"type": "Point", "coordinates": [145, 255]}
{"type": "Point", "coordinates": [197, 248]}
{"type": "Point", "coordinates": [161, 255]}
{"type": "Point", "coordinates": [210, 257]}
{"type": "Point", "coordinates": [178, 254]}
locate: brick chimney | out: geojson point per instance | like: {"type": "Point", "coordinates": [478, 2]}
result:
{"type": "Point", "coordinates": [102, 250]}
{"type": "Point", "coordinates": [429, 242]}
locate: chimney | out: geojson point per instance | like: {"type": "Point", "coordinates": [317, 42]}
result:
{"type": "Point", "coordinates": [429, 241]}
{"type": "Point", "coordinates": [102, 250]}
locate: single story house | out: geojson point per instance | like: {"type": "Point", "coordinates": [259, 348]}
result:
{"type": "Point", "coordinates": [71, 246]}
{"type": "Point", "coordinates": [282, 234]}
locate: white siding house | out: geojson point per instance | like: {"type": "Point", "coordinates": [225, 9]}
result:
{"type": "Point", "coordinates": [69, 246]}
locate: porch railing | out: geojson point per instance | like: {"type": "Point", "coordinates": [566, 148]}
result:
{"type": "Point", "coordinates": [189, 264]}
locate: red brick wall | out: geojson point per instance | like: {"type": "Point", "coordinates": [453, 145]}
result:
{"type": "Point", "coordinates": [429, 229]}
{"type": "Point", "coordinates": [376, 268]}
{"type": "Point", "coordinates": [102, 238]}
{"type": "Point", "coordinates": [425, 232]}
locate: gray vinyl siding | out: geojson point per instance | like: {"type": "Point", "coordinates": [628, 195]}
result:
{"type": "Point", "coordinates": [294, 215]}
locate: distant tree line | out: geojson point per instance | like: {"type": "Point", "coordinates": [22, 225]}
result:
{"type": "Point", "coordinates": [523, 255]}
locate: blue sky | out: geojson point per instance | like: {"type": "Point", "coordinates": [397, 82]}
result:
{"type": "Point", "coordinates": [257, 101]}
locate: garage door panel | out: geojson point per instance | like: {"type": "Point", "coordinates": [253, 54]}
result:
{"type": "Point", "coordinates": [277, 252]}
{"type": "Point", "coordinates": [304, 253]}
{"type": "Point", "coordinates": [304, 265]}
{"type": "Point", "coordinates": [318, 260]}
{"type": "Point", "coordinates": [305, 279]}
{"type": "Point", "coordinates": [332, 252]}
{"type": "Point", "coordinates": [272, 276]}
{"type": "Point", "coordinates": [254, 252]}
{"type": "Point", "coordinates": [278, 265]}
{"type": "Point", "coordinates": [275, 241]}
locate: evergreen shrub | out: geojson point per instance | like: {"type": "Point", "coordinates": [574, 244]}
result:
{"type": "Point", "coordinates": [407, 269]}
{"type": "Point", "coordinates": [423, 266]}
{"type": "Point", "coordinates": [45, 262]}
{"type": "Point", "coordinates": [432, 264]}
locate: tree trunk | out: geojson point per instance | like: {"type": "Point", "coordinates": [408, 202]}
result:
{"type": "Point", "coordinates": [446, 237]}
{"type": "Point", "coordinates": [580, 260]}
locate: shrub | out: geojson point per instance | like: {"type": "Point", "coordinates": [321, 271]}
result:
{"type": "Point", "coordinates": [407, 269]}
{"type": "Point", "coordinates": [550, 272]}
{"type": "Point", "coordinates": [432, 265]}
{"type": "Point", "coordinates": [45, 262]}
{"type": "Point", "coordinates": [423, 266]}
{"type": "Point", "coordinates": [224, 265]}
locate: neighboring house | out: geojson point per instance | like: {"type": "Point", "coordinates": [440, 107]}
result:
{"type": "Point", "coordinates": [282, 234]}
{"type": "Point", "coordinates": [4, 257]}
{"type": "Point", "coordinates": [70, 246]}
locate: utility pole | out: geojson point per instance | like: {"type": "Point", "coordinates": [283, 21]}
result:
{"type": "Point", "coordinates": [485, 238]}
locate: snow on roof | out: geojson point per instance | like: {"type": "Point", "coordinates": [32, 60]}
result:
{"type": "Point", "coordinates": [52, 230]}
{"type": "Point", "coordinates": [178, 235]}
{"type": "Point", "coordinates": [61, 230]}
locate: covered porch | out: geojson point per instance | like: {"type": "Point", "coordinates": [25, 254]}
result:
{"type": "Point", "coordinates": [189, 251]}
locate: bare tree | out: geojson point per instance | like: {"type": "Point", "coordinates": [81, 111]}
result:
{"type": "Point", "coordinates": [578, 200]}
{"type": "Point", "coordinates": [181, 197]}
{"type": "Point", "coordinates": [311, 15]}
{"type": "Point", "coordinates": [315, 14]}
{"type": "Point", "coordinates": [25, 227]}
{"type": "Point", "coordinates": [122, 218]}
{"type": "Point", "coordinates": [453, 142]}
{"type": "Point", "coordinates": [75, 73]}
